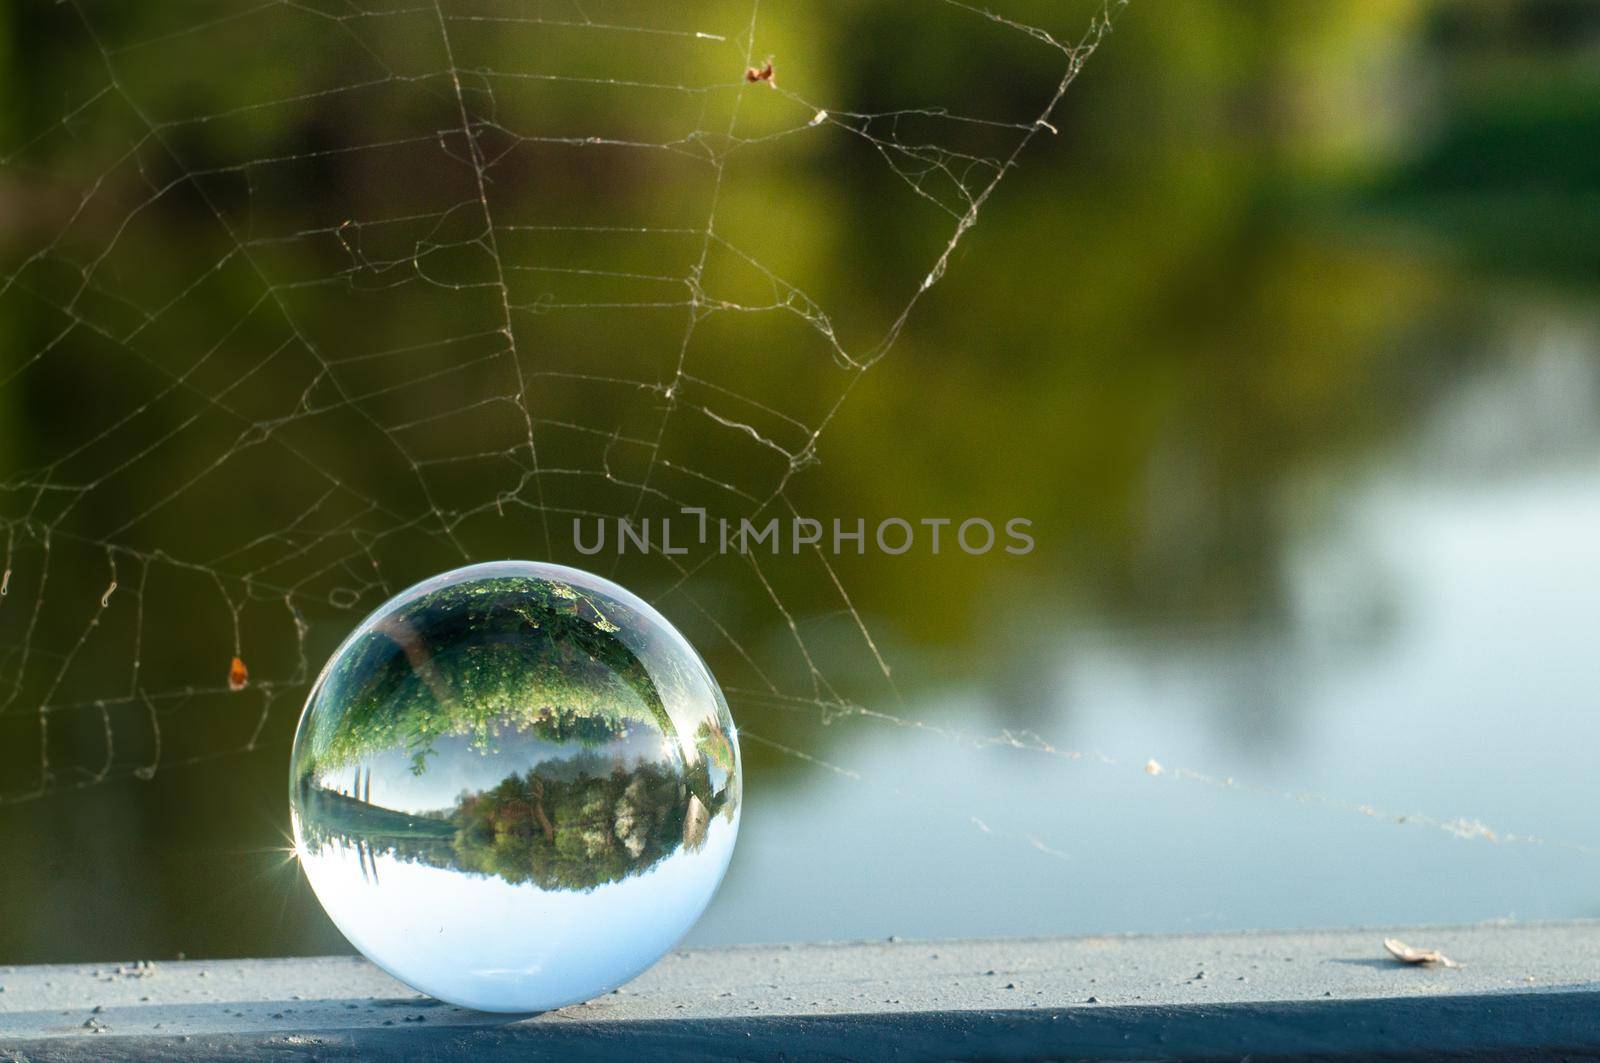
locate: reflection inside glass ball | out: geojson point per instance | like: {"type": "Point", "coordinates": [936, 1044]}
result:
{"type": "Point", "coordinates": [515, 786]}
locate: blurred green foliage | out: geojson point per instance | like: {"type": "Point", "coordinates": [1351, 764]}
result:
{"type": "Point", "coordinates": [1262, 240]}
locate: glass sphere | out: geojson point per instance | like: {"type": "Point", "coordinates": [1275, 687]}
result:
{"type": "Point", "coordinates": [515, 786]}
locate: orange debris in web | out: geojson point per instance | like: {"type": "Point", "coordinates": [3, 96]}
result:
{"type": "Point", "coordinates": [238, 675]}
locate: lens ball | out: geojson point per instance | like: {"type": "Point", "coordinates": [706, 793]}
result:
{"type": "Point", "coordinates": [515, 786]}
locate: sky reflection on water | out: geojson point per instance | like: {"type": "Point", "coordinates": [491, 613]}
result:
{"type": "Point", "coordinates": [1438, 660]}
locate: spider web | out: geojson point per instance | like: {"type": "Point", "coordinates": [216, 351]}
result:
{"type": "Point", "coordinates": [338, 295]}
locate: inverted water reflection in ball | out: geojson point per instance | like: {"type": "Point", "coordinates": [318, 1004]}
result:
{"type": "Point", "coordinates": [515, 786]}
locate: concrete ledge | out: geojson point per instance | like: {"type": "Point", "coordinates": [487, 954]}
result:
{"type": "Point", "coordinates": [1522, 992]}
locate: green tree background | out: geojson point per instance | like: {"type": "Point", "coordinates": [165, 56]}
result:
{"type": "Point", "coordinates": [1262, 240]}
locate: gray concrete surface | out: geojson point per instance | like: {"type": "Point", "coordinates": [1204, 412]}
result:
{"type": "Point", "coordinates": [1520, 990]}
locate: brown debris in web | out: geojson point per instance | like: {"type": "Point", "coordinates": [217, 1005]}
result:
{"type": "Point", "coordinates": [761, 73]}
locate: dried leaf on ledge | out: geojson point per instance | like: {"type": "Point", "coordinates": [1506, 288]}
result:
{"type": "Point", "coordinates": [1407, 954]}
